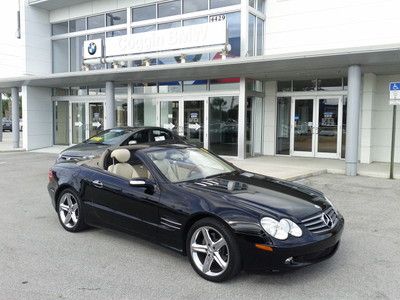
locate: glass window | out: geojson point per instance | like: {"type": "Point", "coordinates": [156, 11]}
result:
{"type": "Point", "coordinates": [60, 92]}
{"type": "Point", "coordinates": [116, 33]}
{"type": "Point", "coordinates": [61, 123]}
{"type": "Point", "coordinates": [222, 3]}
{"type": "Point", "coordinates": [60, 56]}
{"type": "Point", "coordinates": [234, 33]}
{"type": "Point", "coordinates": [167, 9]}
{"type": "Point", "coordinates": [97, 90]}
{"type": "Point", "coordinates": [194, 5]}
{"type": "Point", "coordinates": [159, 135]}
{"type": "Point", "coordinates": [121, 89]}
{"type": "Point", "coordinates": [184, 161]}
{"type": "Point", "coordinates": [283, 126]}
{"type": "Point", "coordinates": [285, 86]}
{"type": "Point", "coordinates": [261, 6]}
{"type": "Point", "coordinates": [144, 13]}
{"type": "Point", "coordinates": [170, 87]}
{"type": "Point", "coordinates": [225, 84]}
{"type": "Point", "coordinates": [77, 25]}
{"type": "Point", "coordinates": [197, 57]}
{"type": "Point", "coordinates": [116, 18]}
{"type": "Point", "coordinates": [223, 125]}
{"type": "Point", "coordinates": [145, 88]}
{"type": "Point", "coordinates": [260, 37]}
{"type": "Point", "coordinates": [96, 22]}
{"type": "Point", "coordinates": [144, 29]}
{"type": "Point", "coordinates": [79, 91]}
{"type": "Point", "coordinates": [333, 84]}
{"type": "Point", "coordinates": [304, 85]}
{"type": "Point", "coordinates": [252, 35]}
{"type": "Point", "coordinates": [110, 137]}
{"type": "Point", "coordinates": [252, 3]}
{"type": "Point", "coordinates": [121, 110]}
{"type": "Point", "coordinates": [59, 28]}
{"type": "Point", "coordinates": [144, 112]}
{"type": "Point", "coordinates": [169, 25]}
{"type": "Point", "coordinates": [76, 54]}
{"type": "Point", "coordinates": [195, 86]}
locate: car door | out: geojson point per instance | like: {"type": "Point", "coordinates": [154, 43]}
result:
{"type": "Point", "coordinates": [115, 203]}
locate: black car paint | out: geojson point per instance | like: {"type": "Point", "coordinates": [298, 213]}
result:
{"type": "Point", "coordinates": [165, 214]}
{"type": "Point", "coordinates": [87, 149]}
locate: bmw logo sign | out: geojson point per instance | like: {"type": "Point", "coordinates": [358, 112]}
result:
{"type": "Point", "coordinates": [92, 48]}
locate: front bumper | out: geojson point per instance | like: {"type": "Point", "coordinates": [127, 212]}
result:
{"type": "Point", "coordinates": [286, 257]}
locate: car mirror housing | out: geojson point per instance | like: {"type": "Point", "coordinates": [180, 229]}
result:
{"type": "Point", "coordinates": [143, 183]}
{"type": "Point", "coordinates": [133, 142]}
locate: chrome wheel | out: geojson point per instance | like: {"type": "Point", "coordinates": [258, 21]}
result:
{"type": "Point", "coordinates": [68, 210]}
{"type": "Point", "coordinates": [209, 251]}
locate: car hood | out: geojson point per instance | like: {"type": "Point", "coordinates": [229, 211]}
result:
{"type": "Point", "coordinates": [85, 149]}
{"type": "Point", "coordinates": [264, 195]}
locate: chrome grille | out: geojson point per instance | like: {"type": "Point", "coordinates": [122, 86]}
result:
{"type": "Point", "coordinates": [322, 222]}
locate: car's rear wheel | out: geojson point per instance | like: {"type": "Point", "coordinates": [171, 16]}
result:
{"type": "Point", "coordinates": [70, 211]}
{"type": "Point", "coordinates": [213, 251]}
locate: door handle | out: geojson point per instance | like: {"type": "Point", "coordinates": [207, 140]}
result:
{"type": "Point", "coordinates": [98, 184]}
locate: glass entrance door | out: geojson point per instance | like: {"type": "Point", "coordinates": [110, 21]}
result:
{"type": "Point", "coordinates": [78, 122]}
{"type": "Point", "coordinates": [87, 120]}
{"type": "Point", "coordinates": [194, 121]}
{"type": "Point", "coordinates": [169, 116]}
{"type": "Point", "coordinates": [303, 127]}
{"type": "Point", "coordinates": [316, 127]}
{"type": "Point", "coordinates": [328, 134]}
{"type": "Point", "coordinates": [96, 118]}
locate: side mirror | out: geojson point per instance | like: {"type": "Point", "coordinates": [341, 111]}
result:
{"type": "Point", "coordinates": [143, 183]}
{"type": "Point", "coordinates": [132, 142]}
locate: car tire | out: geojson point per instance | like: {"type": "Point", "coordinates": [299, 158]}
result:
{"type": "Point", "coordinates": [70, 211]}
{"type": "Point", "coordinates": [220, 247]}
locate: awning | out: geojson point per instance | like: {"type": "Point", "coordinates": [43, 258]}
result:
{"type": "Point", "coordinates": [268, 67]}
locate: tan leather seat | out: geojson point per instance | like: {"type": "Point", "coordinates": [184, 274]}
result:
{"type": "Point", "coordinates": [122, 168]}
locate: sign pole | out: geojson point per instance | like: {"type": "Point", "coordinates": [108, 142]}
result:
{"type": "Point", "coordinates": [393, 142]}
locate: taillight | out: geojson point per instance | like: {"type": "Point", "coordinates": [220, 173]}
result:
{"type": "Point", "coordinates": [50, 175]}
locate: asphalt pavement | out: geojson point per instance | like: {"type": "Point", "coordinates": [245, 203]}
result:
{"type": "Point", "coordinates": [40, 260]}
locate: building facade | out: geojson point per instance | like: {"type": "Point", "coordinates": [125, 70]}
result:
{"type": "Point", "coordinates": [293, 78]}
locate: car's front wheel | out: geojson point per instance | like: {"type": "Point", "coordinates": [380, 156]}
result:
{"type": "Point", "coordinates": [70, 211]}
{"type": "Point", "coordinates": [213, 251]}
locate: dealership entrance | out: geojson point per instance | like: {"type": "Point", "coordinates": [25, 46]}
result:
{"type": "Point", "coordinates": [317, 129]}
{"type": "Point", "coordinates": [186, 117]}
{"type": "Point", "coordinates": [76, 121]}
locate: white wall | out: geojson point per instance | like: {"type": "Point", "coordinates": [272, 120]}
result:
{"type": "Point", "coordinates": [37, 112]}
{"type": "Point", "coordinates": [381, 132]}
{"type": "Point", "coordinates": [12, 54]}
{"type": "Point", "coordinates": [31, 54]}
{"type": "Point", "coordinates": [311, 25]}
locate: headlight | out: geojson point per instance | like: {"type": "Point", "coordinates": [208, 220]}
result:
{"type": "Point", "coordinates": [281, 230]}
{"type": "Point", "coordinates": [331, 204]}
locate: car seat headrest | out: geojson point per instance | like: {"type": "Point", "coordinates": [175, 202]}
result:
{"type": "Point", "coordinates": [159, 155]}
{"type": "Point", "coordinates": [121, 155]}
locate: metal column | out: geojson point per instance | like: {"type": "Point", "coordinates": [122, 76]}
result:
{"type": "Point", "coordinates": [353, 119]}
{"type": "Point", "coordinates": [15, 116]}
{"type": "Point", "coordinates": [110, 105]}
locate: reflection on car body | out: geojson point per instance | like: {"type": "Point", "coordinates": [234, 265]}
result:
{"type": "Point", "coordinates": [185, 198]}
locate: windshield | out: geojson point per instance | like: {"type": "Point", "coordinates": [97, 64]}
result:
{"type": "Point", "coordinates": [110, 137]}
{"type": "Point", "coordinates": [179, 165]}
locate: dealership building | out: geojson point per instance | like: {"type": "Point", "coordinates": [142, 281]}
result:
{"type": "Point", "coordinates": [243, 77]}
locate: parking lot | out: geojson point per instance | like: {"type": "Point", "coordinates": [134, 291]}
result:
{"type": "Point", "coordinates": [40, 260]}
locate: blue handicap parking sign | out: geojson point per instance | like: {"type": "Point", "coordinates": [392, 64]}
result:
{"type": "Point", "coordinates": [395, 86]}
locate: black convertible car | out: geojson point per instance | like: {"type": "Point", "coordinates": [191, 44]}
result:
{"type": "Point", "coordinates": [192, 201]}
